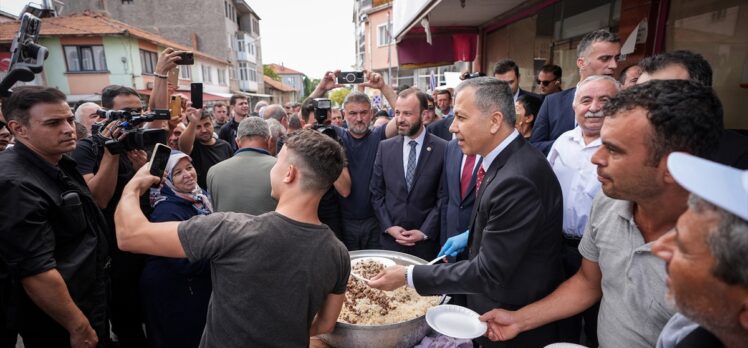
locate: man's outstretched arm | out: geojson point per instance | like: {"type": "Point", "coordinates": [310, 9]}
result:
{"type": "Point", "coordinates": [134, 232]}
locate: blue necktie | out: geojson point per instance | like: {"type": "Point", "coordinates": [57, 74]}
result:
{"type": "Point", "coordinates": [411, 172]}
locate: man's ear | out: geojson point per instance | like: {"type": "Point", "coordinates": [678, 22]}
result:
{"type": "Point", "coordinates": [497, 120]}
{"type": "Point", "coordinates": [291, 174]}
{"type": "Point", "coordinates": [17, 129]}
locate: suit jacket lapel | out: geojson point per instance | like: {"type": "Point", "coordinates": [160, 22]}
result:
{"type": "Point", "coordinates": [496, 165]}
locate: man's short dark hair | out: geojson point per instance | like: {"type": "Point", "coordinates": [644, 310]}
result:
{"type": "Point", "coordinates": [294, 122]}
{"type": "Point", "coordinates": [622, 78]}
{"type": "Point", "coordinates": [491, 95]}
{"type": "Point", "coordinates": [444, 91]}
{"type": "Point", "coordinates": [531, 104]}
{"type": "Point", "coordinates": [219, 105]}
{"type": "Point", "coordinates": [685, 116]}
{"type": "Point", "coordinates": [602, 35]}
{"type": "Point", "coordinates": [422, 101]}
{"type": "Point", "coordinates": [110, 92]}
{"type": "Point", "coordinates": [16, 107]}
{"type": "Point", "coordinates": [235, 97]}
{"type": "Point", "coordinates": [320, 158]}
{"type": "Point", "coordinates": [357, 97]}
{"type": "Point", "coordinates": [307, 108]}
{"type": "Point", "coordinates": [698, 68]}
{"type": "Point", "coordinates": [504, 66]}
{"type": "Point", "coordinates": [553, 69]}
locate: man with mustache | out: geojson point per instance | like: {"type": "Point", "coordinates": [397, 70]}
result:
{"type": "Point", "coordinates": [360, 227]}
{"type": "Point", "coordinates": [53, 247]}
{"type": "Point", "coordinates": [570, 159]}
{"type": "Point", "coordinates": [406, 186]}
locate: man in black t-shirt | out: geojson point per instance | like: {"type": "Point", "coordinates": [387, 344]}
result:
{"type": "Point", "coordinates": [197, 141]}
{"type": "Point", "coordinates": [239, 110]}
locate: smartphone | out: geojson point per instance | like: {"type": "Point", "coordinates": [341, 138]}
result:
{"type": "Point", "coordinates": [175, 106]}
{"type": "Point", "coordinates": [159, 158]}
{"type": "Point", "coordinates": [346, 77]}
{"type": "Point", "coordinates": [196, 95]}
{"type": "Point", "coordinates": [187, 58]}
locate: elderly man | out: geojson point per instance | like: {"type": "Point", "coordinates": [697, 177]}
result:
{"type": "Point", "coordinates": [242, 183]}
{"type": "Point", "coordinates": [515, 248]}
{"type": "Point", "coordinates": [570, 159]}
{"type": "Point", "coordinates": [277, 136]}
{"type": "Point", "coordinates": [641, 203]}
{"type": "Point", "coordinates": [277, 112]}
{"type": "Point", "coordinates": [596, 55]}
{"type": "Point", "coordinates": [705, 256]}
{"type": "Point", "coordinates": [86, 115]}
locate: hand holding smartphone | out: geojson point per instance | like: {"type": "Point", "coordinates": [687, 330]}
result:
{"type": "Point", "coordinates": [159, 159]}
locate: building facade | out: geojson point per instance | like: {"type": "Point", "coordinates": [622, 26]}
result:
{"type": "Point", "coordinates": [88, 52]}
{"type": "Point", "coordinates": [290, 77]}
{"type": "Point", "coordinates": [222, 28]}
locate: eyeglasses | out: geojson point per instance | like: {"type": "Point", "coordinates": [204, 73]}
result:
{"type": "Point", "coordinates": [544, 83]}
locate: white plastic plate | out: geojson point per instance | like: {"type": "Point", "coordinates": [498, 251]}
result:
{"type": "Point", "coordinates": [455, 321]}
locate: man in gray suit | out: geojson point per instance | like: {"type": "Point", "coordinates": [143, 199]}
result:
{"type": "Point", "coordinates": [242, 183]}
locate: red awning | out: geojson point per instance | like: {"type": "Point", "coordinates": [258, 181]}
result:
{"type": "Point", "coordinates": [446, 47]}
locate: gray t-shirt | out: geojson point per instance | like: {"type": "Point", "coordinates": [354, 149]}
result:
{"type": "Point", "coordinates": [633, 309]}
{"type": "Point", "coordinates": [270, 276]}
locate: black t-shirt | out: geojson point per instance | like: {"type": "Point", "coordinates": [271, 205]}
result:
{"type": "Point", "coordinates": [53, 223]}
{"type": "Point", "coordinates": [227, 133]}
{"type": "Point", "coordinates": [206, 156]}
{"type": "Point", "coordinates": [360, 154]}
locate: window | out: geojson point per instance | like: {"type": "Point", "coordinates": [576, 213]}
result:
{"type": "Point", "coordinates": [185, 73]}
{"type": "Point", "coordinates": [127, 1]}
{"type": "Point", "coordinates": [383, 34]}
{"type": "Point", "coordinates": [251, 48]}
{"type": "Point", "coordinates": [148, 60]}
{"type": "Point", "coordinates": [243, 73]}
{"type": "Point", "coordinates": [255, 26]}
{"type": "Point", "coordinates": [226, 8]}
{"type": "Point", "coordinates": [207, 73]}
{"type": "Point", "coordinates": [240, 45]}
{"type": "Point", "coordinates": [85, 58]}
{"type": "Point", "coordinates": [252, 71]}
{"type": "Point", "coordinates": [222, 77]}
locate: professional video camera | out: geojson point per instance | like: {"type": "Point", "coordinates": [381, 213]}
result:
{"type": "Point", "coordinates": [28, 57]}
{"type": "Point", "coordinates": [134, 138]}
{"type": "Point", "coordinates": [322, 108]}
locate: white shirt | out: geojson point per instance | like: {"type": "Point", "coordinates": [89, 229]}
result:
{"type": "Point", "coordinates": [516, 95]}
{"type": "Point", "coordinates": [570, 159]}
{"type": "Point", "coordinates": [485, 165]}
{"type": "Point", "coordinates": [406, 149]}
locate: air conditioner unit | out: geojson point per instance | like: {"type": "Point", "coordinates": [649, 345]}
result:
{"type": "Point", "coordinates": [149, 85]}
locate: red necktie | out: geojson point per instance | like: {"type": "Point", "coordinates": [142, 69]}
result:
{"type": "Point", "coordinates": [467, 174]}
{"type": "Point", "coordinates": [479, 179]}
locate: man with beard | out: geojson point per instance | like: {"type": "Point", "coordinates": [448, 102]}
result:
{"type": "Point", "coordinates": [360, 226]}
{"type": "Point", "coordinates": [406, 186]}
{"type": "Point", "coordinates": [198, 142]}
{"type": "Point", "coordinates": [570, 158]}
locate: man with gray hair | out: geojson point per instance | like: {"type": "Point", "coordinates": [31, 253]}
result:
{"type": "Point", "coordinates": [276, 111]}
{"type": "Point", "coordinates": [277, 136]}
{"type": "Point", "coordinates": [86, 115]}
{"type": "Point", "coordinates": [570, 158]}
{"type": "Point", "coordinates": [242, 183]}
{"type": "Point", "coordinates": [596, 55]}
{"type": "Point", "coordinates": [706, 255]}
{"type": "Point", "coordinates": [515, 250]}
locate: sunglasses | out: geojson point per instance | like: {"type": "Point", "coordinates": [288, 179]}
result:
{"type": "Point", "coordinates": [544, 83]}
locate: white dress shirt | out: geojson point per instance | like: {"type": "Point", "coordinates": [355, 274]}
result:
{"type": "Point", "coordinates": [570, 159]}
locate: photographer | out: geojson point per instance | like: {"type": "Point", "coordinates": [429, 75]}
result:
{"type": "Point", "coordinates": [52, 242]}
{"type": "Point", "coordinates": [106, 174]}
{"type": "Point", "coordinates": [360, 226]}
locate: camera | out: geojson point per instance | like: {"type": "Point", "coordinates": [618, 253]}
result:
{"type": "Point", "coordinates": [27, 57]}
{"type": "Point", "coordinates": [135, 138]}
{"type": "Point", "coordinates": [322, 107]}
{"type": "Point", "coordinates": [351, 77]}
{"type": "Point", "coordinates": [186, 58]}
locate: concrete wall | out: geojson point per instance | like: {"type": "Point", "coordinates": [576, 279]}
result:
{"type": "Point", "coordinates": [376, 57]}
{"type": "Point", "coordinates": [54, 66]}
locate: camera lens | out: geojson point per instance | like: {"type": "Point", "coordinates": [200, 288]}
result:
{"type": "Point", "coordinates": [350, 77]}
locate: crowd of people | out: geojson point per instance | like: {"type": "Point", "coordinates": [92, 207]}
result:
{"type": "Point", "coordinates": [612, 214]}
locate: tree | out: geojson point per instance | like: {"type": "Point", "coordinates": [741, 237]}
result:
{"type": "Point", "coordinates": [270, 73]}
{"type": "Point", "coordinates": [309, 85]}
{"type": "Point", "coordinates": [338, 95]}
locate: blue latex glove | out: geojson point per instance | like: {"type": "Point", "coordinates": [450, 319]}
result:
{"type": "Point", "coordinates": [455, 245]}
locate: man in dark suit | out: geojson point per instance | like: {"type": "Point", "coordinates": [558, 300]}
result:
{"type": "Point", "coordinates": [444, 104]}
{"type": "Point", "coordinates": [406, 188]}
{"type": "Point", "coordinates": [459, 172]}
{"type": "Point", "coordinates": [507, 70]}
{"type": "Point", "coordinates": [596, 55]}
{"type": "Point", "coordinates": [515, 243]}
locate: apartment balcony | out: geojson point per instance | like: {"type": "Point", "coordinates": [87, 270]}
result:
{"type": "Point", "coordinates": [248, 86]}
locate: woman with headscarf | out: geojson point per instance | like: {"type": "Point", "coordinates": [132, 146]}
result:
{"type": "Point", "coordinates": [176, 292]}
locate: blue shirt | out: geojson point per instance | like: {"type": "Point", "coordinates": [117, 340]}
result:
{"type": "Point", "coordinates": [361, 154]}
